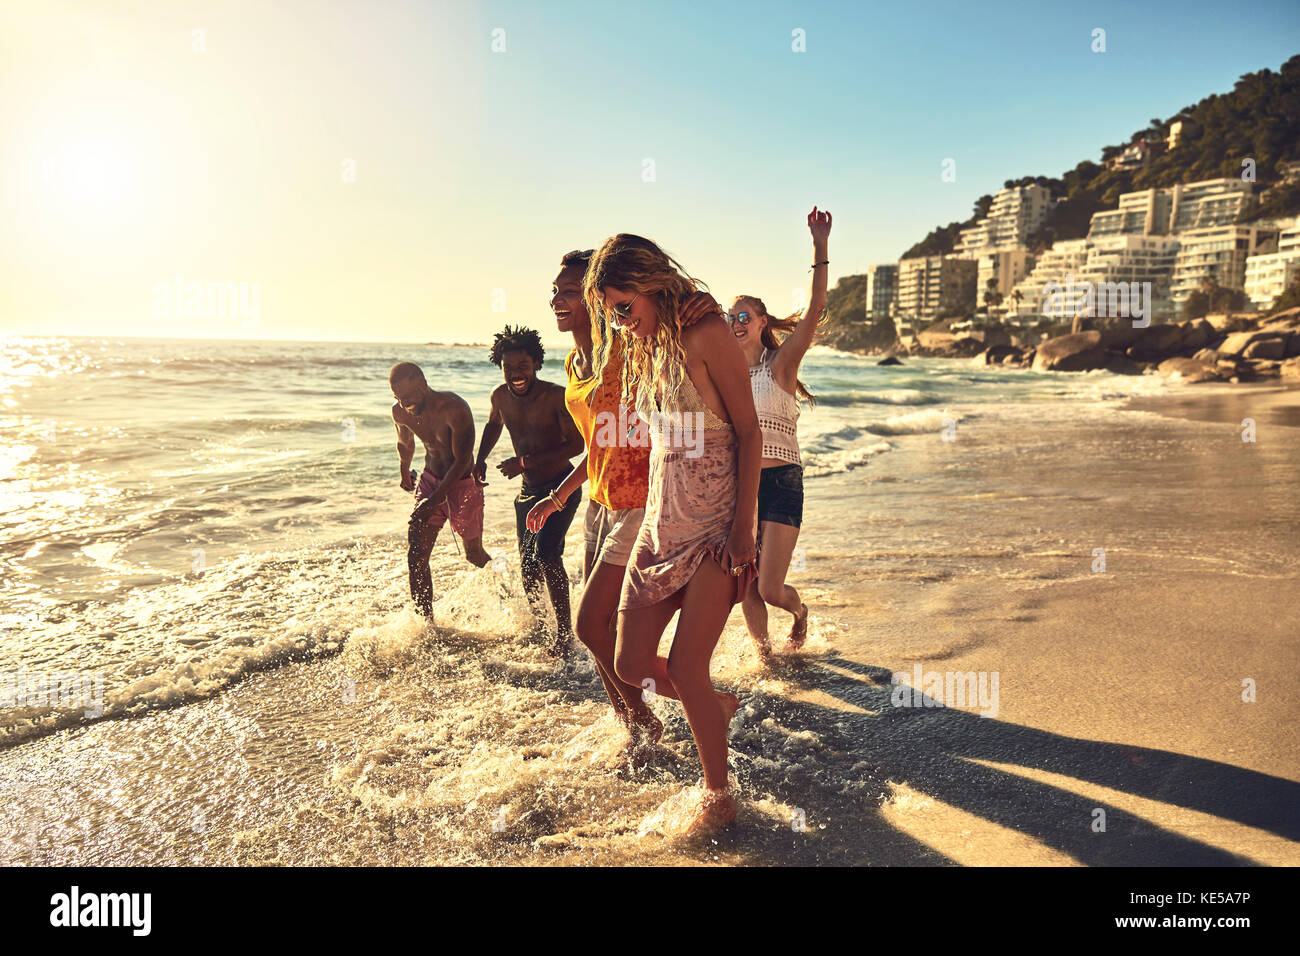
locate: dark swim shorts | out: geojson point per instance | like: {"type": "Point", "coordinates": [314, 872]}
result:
{"type": "Point", "coordinates": [547, 544]}
{"type": "Point", "coordinates": [780, 495]}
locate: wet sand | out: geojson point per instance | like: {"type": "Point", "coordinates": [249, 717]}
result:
{"type": "Point", "coordinates": [1119, 690]}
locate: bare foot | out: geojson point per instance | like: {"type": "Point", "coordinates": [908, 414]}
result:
{"type": "Point", "coordinates": [764, 648]}
{"type": "Point", "coordinates": [636, 753]}
{"type": "Point", "coordinates": [799, 632]}
{"type": "Point", "coordinates": [560, 649]}
{"type": "Point", "coordinates": [717, 810]}
{"type": "Point", "coordinates": [646, 725]}
{"type": "Point", "coordinates": [730, 704]}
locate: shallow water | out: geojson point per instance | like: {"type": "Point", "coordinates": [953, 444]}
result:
{"type": "Point", "coordinates": [280, 703]}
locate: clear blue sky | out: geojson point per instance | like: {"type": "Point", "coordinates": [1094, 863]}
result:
{"type": "Point", "coordinates": [475, 170]}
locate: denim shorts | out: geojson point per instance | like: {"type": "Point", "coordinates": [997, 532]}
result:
{"type": "Point", "coordinates": [780, 495]}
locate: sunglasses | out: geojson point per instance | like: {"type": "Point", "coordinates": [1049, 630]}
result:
{"type": "Point", "coordinates": [624, 311]}
{"type": "Point", "coordinates": [741, 317]}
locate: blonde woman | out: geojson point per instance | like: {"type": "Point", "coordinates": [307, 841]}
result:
{"type": "Point", "coordinates": [696, 551]}
{"type": "Point", "coordinates": [774, 375]}
{"type": "Point", "coordinates": [619, 475]}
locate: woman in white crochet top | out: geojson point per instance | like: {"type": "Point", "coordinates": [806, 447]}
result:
{"type": "Point", "coordinates": [774, 375]}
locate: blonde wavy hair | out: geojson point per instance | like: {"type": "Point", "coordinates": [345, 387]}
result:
{"type": "Point", "coordinates": [631, 262]}
{"type": "Point", "coordinates": [785, 327]}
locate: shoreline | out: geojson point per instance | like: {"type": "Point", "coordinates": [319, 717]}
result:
{"type": "Point", "coordinates": [1119, 689]}
{"type": "Point", "coordinates": [1268, 402]}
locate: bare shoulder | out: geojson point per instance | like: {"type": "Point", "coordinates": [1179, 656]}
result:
{"type": "Point", "coordinates": [707, 334]}
{"type": "Point", "coordinates": [710, 339]}
{"type": "Point", "coordinates": [454, 408]}
{"type": "Point", "coordinates": [399, 415]}
{"type": "Point", "coordinates": [497, 393]}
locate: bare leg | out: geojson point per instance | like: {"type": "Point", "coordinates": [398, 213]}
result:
{"type": "Point", "coordinates": [557, 585]}
{"type": "Point", "coordinates": [778, 547]}
{"type": "Point", "coordinates": [755, 611]}
{"type": "Point", "coordinates": [530, 570]}
{"type": "Point", "coordinates": [698, 629]}
{"type": "Point", "coordinates": [597, 613]}
{"type": "Point", "coordinates": [474, 552]}
{"type": "Point", "coordinates": [685, 674]}
{"type": "Point", "coordinates": [420, 538]}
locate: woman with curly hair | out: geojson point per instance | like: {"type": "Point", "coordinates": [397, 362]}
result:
{"type": "Point", "coordinates": [696, 551]}
{"type": "Point", "coordinates": [619, 476]}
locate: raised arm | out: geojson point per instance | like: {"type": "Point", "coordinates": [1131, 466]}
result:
{"type": "Point", "coordinates": [785, 365]}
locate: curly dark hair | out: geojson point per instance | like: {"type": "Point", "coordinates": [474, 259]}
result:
{"type": "Point", "coordinates": [518, 339]}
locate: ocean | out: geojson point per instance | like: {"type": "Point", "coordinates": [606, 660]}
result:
{"type": "Point", "coordinates": [203, 547]}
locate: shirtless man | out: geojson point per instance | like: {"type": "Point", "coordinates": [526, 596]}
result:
{"type": "Point", "coordinates": [544, 439]}
{"type": "Point", "coordinates": [447, 489]}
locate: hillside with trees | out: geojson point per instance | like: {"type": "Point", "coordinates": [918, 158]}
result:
{"type": "Point", "coordinates": [1258, 120]}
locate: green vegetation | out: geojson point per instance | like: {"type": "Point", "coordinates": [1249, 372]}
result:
{"type": "Point", "coordinates": [1211, 298]}
{"type": "Point", "coordinates": [847, 302]}
{"type": "Point", "coordinates": [939, 242]}
{"type": "Point", "coordinates": [1259, 120]}
{"type": "Point", "coordinates": [1290, 299]}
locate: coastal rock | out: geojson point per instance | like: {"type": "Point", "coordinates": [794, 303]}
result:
{"type": "Point", "coordinates": [937, 340]}
{"type": "Point", "coordinates": [1226, 322]}
{"type": "Point", "coordinates": [1157, 342]}
{"type": "Point", "coordinates": [1290, 316]}
{"type": "Point", "coordinates": [1123, 365]}
{"type": "Point", "coordinates": [1076, 352]}
{"type": "Point", "coordinates": [1265, 369]}
{"type": "Point", "coordinates": [1208, 356]}
{"type": "Point", "coordinates": [997, 355]}
{"type": "Point", "coordinates": [1290, 369]}
{"type": "Point", "coordinates": [1188, 369]}
{"type": "Point", "coordinates": [889, 360]}
{"type": "Point", "coordinates": [1236, 343]}
{"type": "Point", "coordinates": [1120, 335]}
{"type": "Point", "coordinates": [1266, 348]}
{"type": "Point", "coordinates": [1197, 334]}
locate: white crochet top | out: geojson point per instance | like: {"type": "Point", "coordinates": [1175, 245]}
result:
{"type": "Point", "coordinates": [778, 412]}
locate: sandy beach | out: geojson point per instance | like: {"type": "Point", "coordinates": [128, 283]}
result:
{"type": "Point", "coordinates": [1115, 731]}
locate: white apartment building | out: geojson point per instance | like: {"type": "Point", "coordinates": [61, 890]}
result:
{"type": "Point", "coordinates": [1135, 216]}
{"type": "Point", "coordinates": [1067, 257]}
{"type": "Point", "coordinates": [1214, 202]}
{"type": "Point", "coordinates": [1081, 268]}
{"type": "Point", "coordinates": [1218, 253]}
{"type": "Point", "coordinates": [1269, 275]}
{"type": "Point", "coordinates": [928, 285]}
{"type": "Point", "coordinates": [882, 288]}
{"type": "Point", "coordinates": [1014, 215]}
{"type": "Point", "coordinates": [1004, 268]}
{"type": "Point", "coordinates": [1175, 209]}
{"type": "Point", "coordinates": [1142, 259]}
